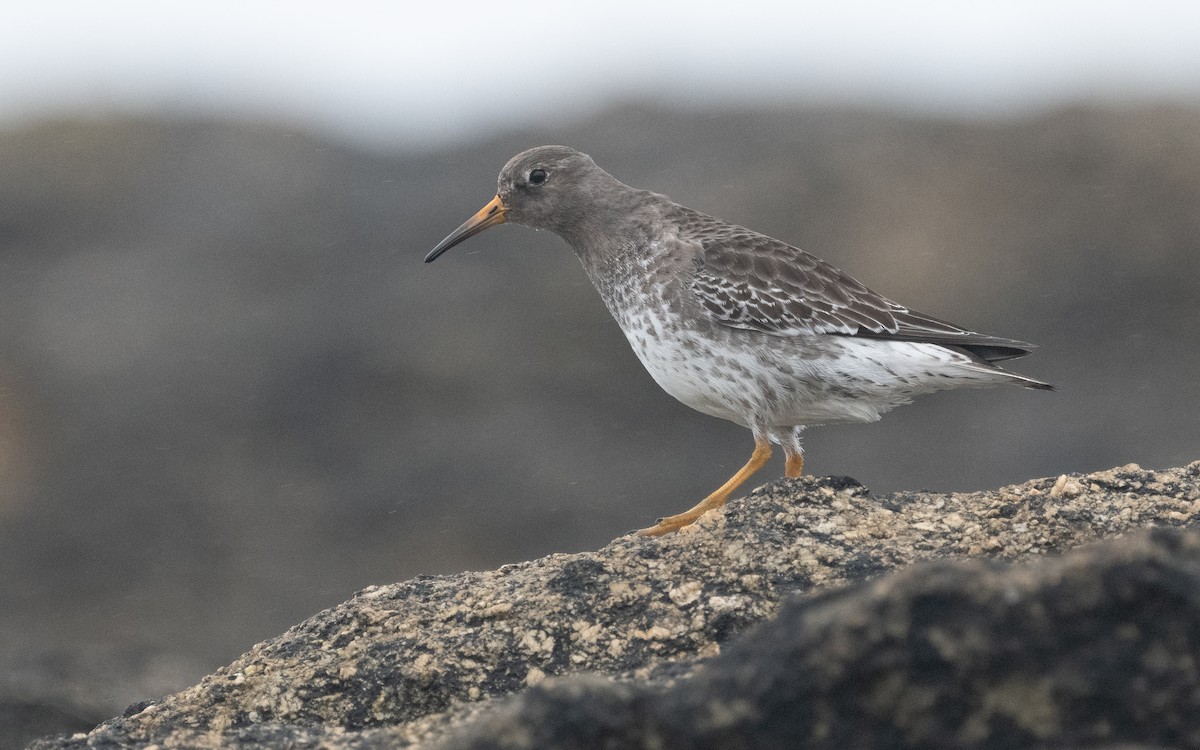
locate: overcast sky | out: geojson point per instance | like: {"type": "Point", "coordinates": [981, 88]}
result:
{"type": "Point", "coordinates": [406, 72]}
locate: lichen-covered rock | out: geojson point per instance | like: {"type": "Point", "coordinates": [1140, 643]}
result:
{"type": "Point", "coordinates": [398, 665]}
{"type": "Point", "coordinates": [1098, 647]}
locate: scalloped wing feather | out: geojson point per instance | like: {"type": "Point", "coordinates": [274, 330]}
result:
{"type": "Point", "coordinates": [750, 281]}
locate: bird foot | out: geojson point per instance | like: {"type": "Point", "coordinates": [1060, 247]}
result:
{"type": "Point", "coordinates": [677, 522]}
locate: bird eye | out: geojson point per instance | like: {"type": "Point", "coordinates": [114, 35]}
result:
{"type": "Point", "coordinates": [537, 177]}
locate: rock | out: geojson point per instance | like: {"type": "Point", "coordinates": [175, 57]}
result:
{"type": "Point", "coordinates": [953, 653]}
{"type": "Point", "coordinates": [1094, 648]}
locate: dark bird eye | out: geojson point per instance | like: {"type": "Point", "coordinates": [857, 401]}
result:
{"type": "Point", "coordinates": [537, 177]}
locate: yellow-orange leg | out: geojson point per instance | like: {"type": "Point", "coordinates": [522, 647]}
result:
{"type": "Point", "coordinates": [758, 459]}
{"type": "Point", "coordinates": [795, 465]}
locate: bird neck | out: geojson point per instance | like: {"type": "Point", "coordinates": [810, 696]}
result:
{"type": "Point", "coordinates": [613, 228]}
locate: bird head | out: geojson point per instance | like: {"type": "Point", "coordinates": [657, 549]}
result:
{"type": "Point", "coordinates": [548, 187]}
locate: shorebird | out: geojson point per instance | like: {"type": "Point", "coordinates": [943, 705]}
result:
{"type": "Point", "coordinates": [734, 323]}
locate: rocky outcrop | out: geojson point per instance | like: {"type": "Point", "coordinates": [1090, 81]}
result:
{"type": "Point", "coordinates": [1091, 649]}
{"type": "Point", "coordinates": [755, 628]}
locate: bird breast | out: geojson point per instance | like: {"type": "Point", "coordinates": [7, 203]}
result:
{"type": "Point", "coordinates": [693, 365]}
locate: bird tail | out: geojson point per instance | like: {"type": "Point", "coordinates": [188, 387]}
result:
{"type": "Point", "coordinates": [981, 365]}
{"type": "Point", "coordinates": [1025, 382]}
{"type": "Point", "coordinates": [983, 359]}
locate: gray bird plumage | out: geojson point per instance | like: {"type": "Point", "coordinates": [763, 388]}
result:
{"type": "Point", "coordinates": [732, 322]}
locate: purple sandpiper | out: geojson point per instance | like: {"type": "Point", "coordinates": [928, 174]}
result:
{"type": "Point", "coordinates": [733, 323]}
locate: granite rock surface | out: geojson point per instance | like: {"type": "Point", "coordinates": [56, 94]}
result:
{"type": "Point", "coordinates": [779, 617]}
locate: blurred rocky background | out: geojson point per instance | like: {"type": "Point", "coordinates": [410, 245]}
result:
{"type": "Point", "coordinates": [231, 394]}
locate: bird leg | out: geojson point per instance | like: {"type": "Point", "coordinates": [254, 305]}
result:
{"type": "Point", "coordinates": [794, 467]}
{"type": "Point", "coordinates": [758, 459]}
{"type": "Point", "coordinates": [793, 450]}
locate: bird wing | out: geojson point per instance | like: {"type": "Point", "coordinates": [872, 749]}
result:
{"type": "Point", "coordinates": [747, 280]}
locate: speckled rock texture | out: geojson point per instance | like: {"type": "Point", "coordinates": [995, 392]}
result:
{"type": "Point", "coordinates": [687, 642]}
{"type": "Point", "coordinates": [1089, 649]}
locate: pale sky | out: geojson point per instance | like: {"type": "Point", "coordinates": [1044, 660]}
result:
{"type": "Point", "coordinates": [406, 73]}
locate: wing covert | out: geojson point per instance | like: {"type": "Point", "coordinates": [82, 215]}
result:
{"type": "Point", "coordinates": [747, 280]}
